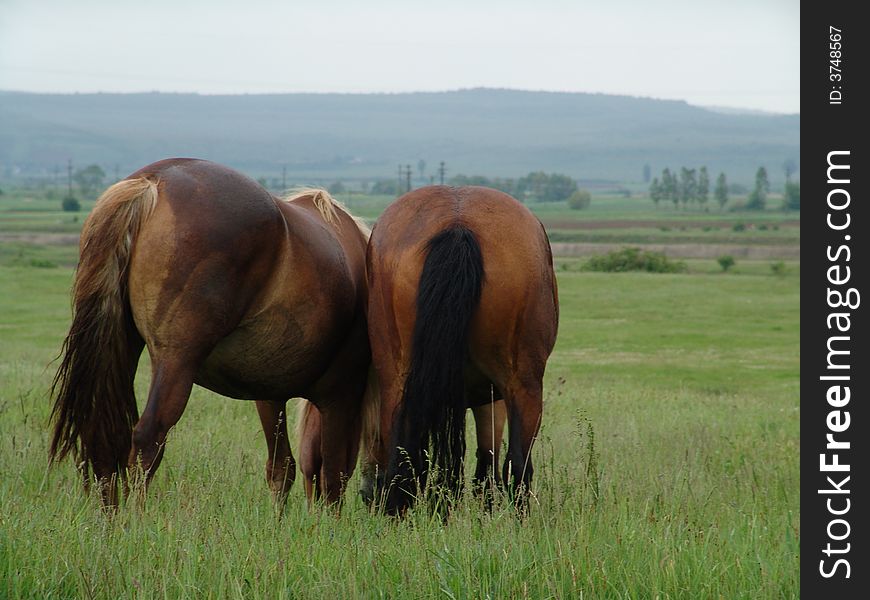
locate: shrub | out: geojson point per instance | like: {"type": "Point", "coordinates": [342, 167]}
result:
{"type": "Point", "coordinates": [70, 204]}
{"type": "Point", "coordinates": [778, 268]}
{"type": "Point", "coordinates": [385, 187]}
{"type": "Point", "coordinates": [762, 227]}
{"type": "Point", "coordinates": [726, 261]}
{"type": "Point", "coordinates": [757, 200]}
{"type": "Point", "coordinates": [41, 263]}
{"type": "Point", "coordinates": [740, 226]}
{"type": "Point", "coordinates": [634, 259]}
{"type": "Point", "coordinates": [580, 200]}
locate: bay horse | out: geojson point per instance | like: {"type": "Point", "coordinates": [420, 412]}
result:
{"type": "Point", "coordinates": [229, 288]}
{"type": "Point", "coordinates": [489, 419]}
{"type": "Point", "coordinates": [463, 310]}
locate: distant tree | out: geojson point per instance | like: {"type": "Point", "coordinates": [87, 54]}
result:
{"type": "Point", "coordinates": [263, 181]}
{"type": "Point", "coordinates": [726, 261]}
{"type": "Point", "coordinates": [560, 187]}
{"type": "Point", "coordinates": [90, 179]}
{"type": "Point", "coordinates": [460, 179]}
{"type": "Point", "coordinates": [532, 184]}
{"type": "Point", "coordinates": [385, 187]}
{"type": "Point", "coordinates": [580, 200]}
{"type": "Point", "coordinates": [655, 191]}
{"type": "Point", "coordinates": [647, 173]}
{"type": "Point", "coordinates": [507, 185]}
{"type": "Point", "coordinates": [703, 187]}
{"type": "Point", "coordinates": [789, 167]}
{"type": "Point", "coordinates": [336, 187]}
{"type": "Point", "coordinates": [758, 197]}
{"type": "Point", "coordinates": [70, 204]}
{"type": "Point", "coordinates": [670, 189]}
{"type": "Point", "coordinates": [792, 197]}
{"type": "Point", "coordinates": [688, 186]}
{"type": "Point", "coordinates": [721, 191]}
{"type": "Point", "coordinates": [545, 187]}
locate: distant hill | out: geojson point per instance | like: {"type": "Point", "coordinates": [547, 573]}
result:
{"type": "Point", "coordinates": [320, 137]}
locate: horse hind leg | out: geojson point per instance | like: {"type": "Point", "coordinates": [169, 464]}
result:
{"type": "Point", "coordinates": [339, 444]}
{"type": "Point", "coordinates": [280, 466]}
{"type": "Point", "coordinates": [524, 404]}
{"type": "Point", "coordinates": [340, 396]}
{"type": "Point", "coordinates": [310, 458]}
{"type": "Point", "coordinates": [171, 383]}
{"type": "Point", "coordinates": [489, 420]}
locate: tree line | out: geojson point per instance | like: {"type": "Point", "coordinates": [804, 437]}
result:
{"type": "Point", "coordinates": [537, 186]}
{"type": "Point", "coordinates": [689, 186]}
{"type": "Point", "coordinates": [692, 186]}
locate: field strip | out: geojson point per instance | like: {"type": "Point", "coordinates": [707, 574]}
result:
{"type": "Point", "coordinates": [751, 252]}
{"type": "Point", "coordinates": [45, 239]}
{"type": "Point", "coordinates": [669, 221]}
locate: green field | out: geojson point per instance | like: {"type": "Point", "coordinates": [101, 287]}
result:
{"type": "Point", "coordinates": [667, 466]}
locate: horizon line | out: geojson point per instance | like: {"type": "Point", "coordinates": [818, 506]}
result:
{"type": "Point", "coordinates": [708, 107]}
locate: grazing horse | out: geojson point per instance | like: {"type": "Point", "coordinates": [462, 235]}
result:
{"type": "Point", "coordinates": [489, 421]}
{"type": "Point", "coordinates": [228, 287]}
{"type": "Point", "coordinates": [463, 309]}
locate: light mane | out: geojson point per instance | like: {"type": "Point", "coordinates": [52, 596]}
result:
{"type": "Point", "coordinates": [327, 206]}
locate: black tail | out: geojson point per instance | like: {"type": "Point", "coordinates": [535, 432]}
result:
{"type": "Point", "coordinates": [432, 413]}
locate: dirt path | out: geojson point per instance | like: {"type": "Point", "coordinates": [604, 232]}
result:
{"type": "Point", "coordinates": [758, 252]}
{"type": "Point", "coordinates": [650, 223]}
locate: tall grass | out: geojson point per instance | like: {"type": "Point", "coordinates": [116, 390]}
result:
{"type": "Point", "coordinates": [667, 467]}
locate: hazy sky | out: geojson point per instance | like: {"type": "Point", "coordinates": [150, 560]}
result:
{"type": "Point", "coordinates": [739, 53]}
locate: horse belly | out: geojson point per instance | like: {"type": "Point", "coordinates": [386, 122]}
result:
{"type": "Point", "coordinates": [272, 359]}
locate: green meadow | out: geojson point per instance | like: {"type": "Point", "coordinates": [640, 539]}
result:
{"type": "Point", "coordinates": [667, 464]}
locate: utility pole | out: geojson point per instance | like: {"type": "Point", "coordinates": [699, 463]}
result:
{"type": "Point", "coordinates": [408, 176]}
{"type": "Point", "coordinates": [399, 187]}
{"type": "Point", "coordinates": [69, 178]}
{"type": "Point", "coordinates": [117, 178]}
{"type": "Point", "coordinates": [441, 171]}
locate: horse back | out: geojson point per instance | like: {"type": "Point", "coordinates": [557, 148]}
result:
{"type": "Point", "coordinates": [225, 276]}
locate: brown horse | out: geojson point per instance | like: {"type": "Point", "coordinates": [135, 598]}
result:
{"type": "Point", "coordinates": [489, 421]}
{"type": "Point", "coordinates": [229, 288]}
{"type": "Point", "coordinates": [462, 301]}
